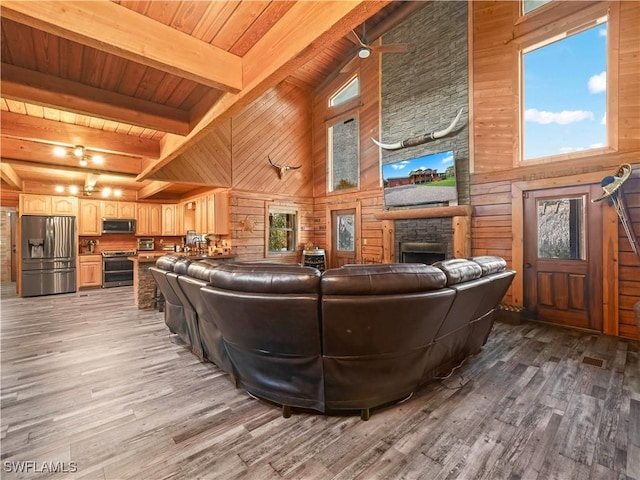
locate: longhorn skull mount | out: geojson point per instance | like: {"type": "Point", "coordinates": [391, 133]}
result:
{"type": "Point", "coordinates": [282, 169]}
{"type": "Point", "coordinates": [419, 140]}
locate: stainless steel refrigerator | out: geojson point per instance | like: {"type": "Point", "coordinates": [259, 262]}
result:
{"type": "Point", "coordinates": [48, 255]}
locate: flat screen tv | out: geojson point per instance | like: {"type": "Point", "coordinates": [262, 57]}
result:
{"type": "Point", "coordinates": [429, 180]}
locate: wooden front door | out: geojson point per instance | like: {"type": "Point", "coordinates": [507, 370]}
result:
{"type": "Point", "coordinates": [563, 256]}
{"type": "Point", "coordinates": [343, 237]}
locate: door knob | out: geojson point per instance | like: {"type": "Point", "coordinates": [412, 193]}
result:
{"type": "Point", "coordinates": [527, 265]}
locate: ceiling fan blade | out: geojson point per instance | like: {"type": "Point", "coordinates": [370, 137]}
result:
{"type": "Point", "coordinates": [391, 48]}
{"type": "Point", "coordinates": [351, 65]}
{"type": "Point", "coordinates": [358, 41]}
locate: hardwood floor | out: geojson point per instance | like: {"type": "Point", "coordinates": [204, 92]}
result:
{"type": "Point", "coordinates": [100, 389]}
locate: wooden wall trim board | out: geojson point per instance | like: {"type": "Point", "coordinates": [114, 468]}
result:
{"type": "Point", "coordinates": [610, 268]}
{"type": "Point", "coordinates": [433, 212]}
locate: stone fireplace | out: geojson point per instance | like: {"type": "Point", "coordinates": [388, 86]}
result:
{"type": "Point", "coordinates": [423, 240]}
{"type": "Point", "coordinates": [422, 252]}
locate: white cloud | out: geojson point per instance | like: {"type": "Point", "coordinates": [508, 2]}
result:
{"type": "Point", "coordinates": [570, 149]}
{"type": "Point", "coordinates": [598, 83]}
{"type": "Point", "coordinates": [596, 145]}
{"type": "Point", "coordinates": [563, 118]}
{"type": "Point", "coordinates": [604, 119]}
{"type": "Point", "coordinates": [447, 159]}
{"type": "Point", "coordinates": [399, 166]}
{"type": "Point", "coordinates": [602, 32]}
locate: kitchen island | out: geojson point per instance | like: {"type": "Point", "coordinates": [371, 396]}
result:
{"type": "Point", "coordinates": [144, 286]}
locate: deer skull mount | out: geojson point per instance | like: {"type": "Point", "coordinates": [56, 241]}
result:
{"type": "Point", "coordinates": [282, 169]}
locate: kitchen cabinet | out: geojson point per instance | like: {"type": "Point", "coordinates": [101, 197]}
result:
{"type": "Point", "coordinates": [221, 221]}
{"type": "Point", "coordinates": [170, 224]}
{"type": "Point", "coordinates": [32, 204]}
{"type": "Point", "coordinates": [149, 219]}
{"type": "Point", "coordinates": [64, 206]}
{"type": "Point", "coordinates": [90, 271]}
{"type": "Point", "coordinates": [116, 209]}
{"type": "Point", "coordinates": [90, 218]}
{"type": "Point", "coordinates": [212, 213]}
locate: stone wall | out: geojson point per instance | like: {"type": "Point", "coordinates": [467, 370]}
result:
{"type": "Point", "coordinates": [423, 89]}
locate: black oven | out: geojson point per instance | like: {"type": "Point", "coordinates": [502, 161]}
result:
{"type": "Point", "coordinates": [117, 269]}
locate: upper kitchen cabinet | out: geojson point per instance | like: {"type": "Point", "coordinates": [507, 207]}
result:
{"type": "Point", "coordinates": [90, 221]}
{"type": "Point", "coordinates": [212, 213]}
{"type": "Point", "coordinates": [149, 219]}
{"type": "Point", "coordinates": [221, 221]}
{"type": "Point", "coordinates": [115, 209]}
{"type": "Point", "coordinates": [172, 223]}
{"type": "Point", "coordinates": [31, 204]}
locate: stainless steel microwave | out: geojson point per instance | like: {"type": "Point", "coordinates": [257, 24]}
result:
{"type": "Point", "coordinates": [119, 225]}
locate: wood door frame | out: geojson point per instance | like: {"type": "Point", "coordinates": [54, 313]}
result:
{"type": "Point", "coordinates": [610, 253]}
{"type": "Point", "coordinates": [332, 207]}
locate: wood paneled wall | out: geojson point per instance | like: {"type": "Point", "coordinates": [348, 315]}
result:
{"type": "Point", "coordinates": [248, 225]}
{"type": "Point", "coordinates": [278, 125]}
{"type": "Point", "coordinates": [494, 73]}
{"type": "Point", "coordinates": [207, 162]}
{"type": "Point", "coordinates": [369, 194]}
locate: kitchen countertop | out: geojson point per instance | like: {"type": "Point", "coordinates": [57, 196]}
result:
{"type": "Point", "coordinates": [151, 256]}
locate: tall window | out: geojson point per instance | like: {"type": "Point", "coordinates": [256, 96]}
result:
{"type": "Point", "coordinates": [564, 93]}
{"type": "Point", "coordinates": [282, 230]}
{"type": "Point", "coordinates": [344, 157]}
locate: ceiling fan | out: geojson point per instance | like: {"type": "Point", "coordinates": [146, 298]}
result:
{"type": "Point", "coordinates": [365, 49]}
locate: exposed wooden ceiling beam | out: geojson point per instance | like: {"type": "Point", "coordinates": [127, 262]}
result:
{"type": "Point", "coordinates": [9, 175]}
{"type": "Point", "coordinates": [109, 27]}
{"type": "Point", "coordinates": [65, 168]}
{"type": "Point", "coordinates": [35, 87]}
{"type": "Point", "coordinates": [153, 188]}
{"type": "Point", "coordinates": [299, 35]}
{"type": "Point", "coordinates": [18, 149]}
{"type": "Point", "coordinates": [26, 127]}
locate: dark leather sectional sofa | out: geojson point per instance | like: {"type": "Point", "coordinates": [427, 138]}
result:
{"type": "Point", "coordinates": [351, 338]}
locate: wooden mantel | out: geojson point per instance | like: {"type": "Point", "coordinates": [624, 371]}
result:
{"type": "Point", "coordinates": [433, 212]}
{"type": "Point", "coordinates": [460, 216]}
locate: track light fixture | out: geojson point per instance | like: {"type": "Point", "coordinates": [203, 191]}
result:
{"type": "Point", "coordinates": [89, 190]}
{"type": "Point", "coordinates": [80, 153]}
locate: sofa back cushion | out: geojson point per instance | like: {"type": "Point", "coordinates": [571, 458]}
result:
{"type": "Point", "coordinates": [459, 270]}
{"type": "Point", "coordinates": [382, 279]}
{"type": "Point", "coordinates": [266, 278]}
{"type": "Point", "coordinates": [490, 264]}
{"type": "Point", "coordinates": [166, 262]}
{"type": "Point", "coordinates": [181, 266]}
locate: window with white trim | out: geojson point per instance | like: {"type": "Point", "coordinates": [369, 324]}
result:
{"type": "Point", "coordinates": [348, 91]}
{"type": "Point", "coordinates": [564, 92]}
{"type": "Point", "coordinates": [283, 231]}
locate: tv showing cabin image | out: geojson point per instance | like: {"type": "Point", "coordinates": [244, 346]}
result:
{"type": "Point", "coordinates": [429, 180]}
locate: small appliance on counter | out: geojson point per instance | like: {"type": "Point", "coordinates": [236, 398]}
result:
{"type": "Point", "coordinates": [146, 244]}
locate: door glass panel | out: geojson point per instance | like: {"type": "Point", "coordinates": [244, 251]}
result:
{"type": "Point", "coordinates": [561, 228]}
{"type": "Point", "coordinates": [346, 232]}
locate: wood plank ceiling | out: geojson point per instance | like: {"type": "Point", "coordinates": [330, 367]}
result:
{"type": "Point", "coordinates": [139, 82]}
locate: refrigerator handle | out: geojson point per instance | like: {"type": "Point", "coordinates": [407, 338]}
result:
{"type": "Point", "coordinates": [49, 237]}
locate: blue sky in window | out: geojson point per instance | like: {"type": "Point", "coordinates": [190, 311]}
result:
{"type": "Point", "coordinates": [565, 95]}
{"type": "Point", "coordinates": [435, 161]}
